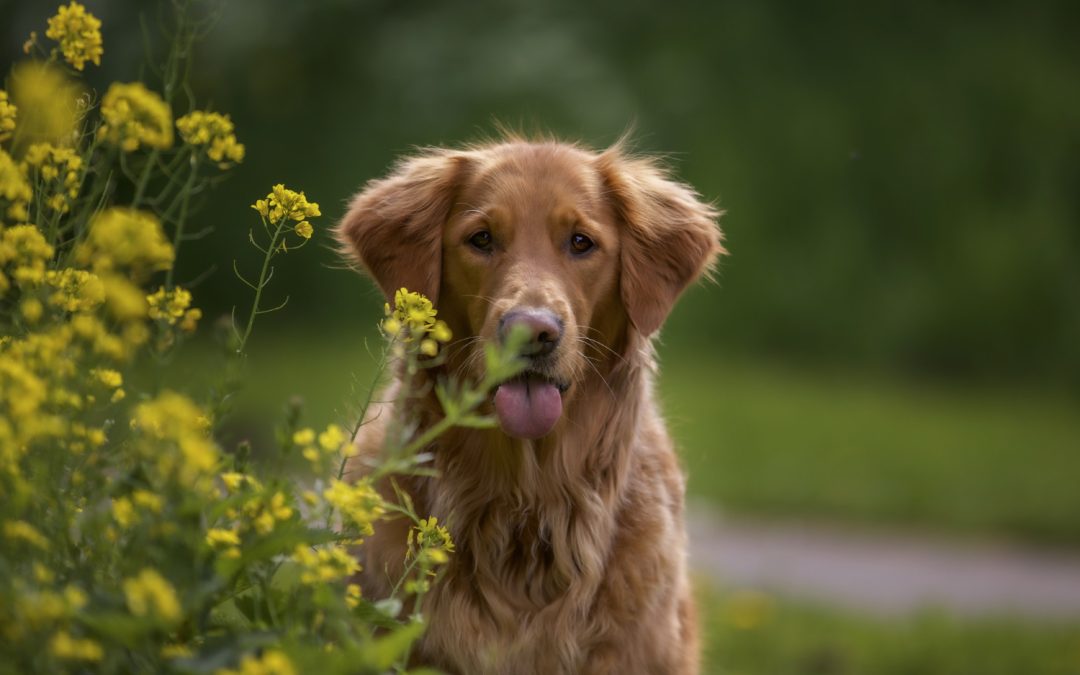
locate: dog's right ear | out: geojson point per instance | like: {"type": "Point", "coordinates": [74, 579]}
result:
{"type": "Point", "coordinates": [394, 226]}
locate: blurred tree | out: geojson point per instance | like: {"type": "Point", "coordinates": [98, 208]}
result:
{"type": "Point", "coordinates": [900, 180]}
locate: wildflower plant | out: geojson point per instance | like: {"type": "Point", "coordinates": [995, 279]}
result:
{"type": "Point", "coordinates": [131, 537]}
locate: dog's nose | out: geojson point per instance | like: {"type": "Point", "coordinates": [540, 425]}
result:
{"type": "Point", "coordinates": [544, 329]}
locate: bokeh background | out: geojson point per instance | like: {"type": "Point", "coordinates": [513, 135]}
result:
{"type": "Point", "coordinates": [894, 342]}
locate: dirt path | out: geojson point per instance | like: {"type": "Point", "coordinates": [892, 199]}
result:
{"type": "Point", "coordinates": [885, 574]}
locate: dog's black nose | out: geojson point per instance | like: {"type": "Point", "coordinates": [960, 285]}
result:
{"type": "Point", "coordinates": [544, 329]}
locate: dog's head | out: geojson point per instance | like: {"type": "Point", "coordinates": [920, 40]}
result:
{"type": "Point", "coordinates": [579, 248]}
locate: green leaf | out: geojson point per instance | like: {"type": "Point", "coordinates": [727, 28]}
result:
{"type": "Point", "coordinates": [388, 651]}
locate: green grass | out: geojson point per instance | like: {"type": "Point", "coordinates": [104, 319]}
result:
{"type": "Point", "coordinates": [747, 633]}
{"type": "Point", "coordinates": [765, 440]}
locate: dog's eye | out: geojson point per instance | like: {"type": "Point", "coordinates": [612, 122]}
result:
{"type": "Point", "coordinates": [481, 241]}
{"type": "Point", "coordinates": [579, 243]}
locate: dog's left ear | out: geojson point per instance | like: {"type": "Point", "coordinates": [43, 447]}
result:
{"type": "Point", "coordinates": [670, 236]}
{"type": "Point", "coordinates": [394, 226]}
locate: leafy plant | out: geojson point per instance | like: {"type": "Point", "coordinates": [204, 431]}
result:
{"type": "Point", "coordinates": [130, 538]}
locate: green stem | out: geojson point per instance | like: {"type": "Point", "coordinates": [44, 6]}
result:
{"type": "Point", "coordinates": [140, 189]}
{"type": "Point", "coordinates": [270, 250]}
{"type": "Point", "coordinates": [178, 236]}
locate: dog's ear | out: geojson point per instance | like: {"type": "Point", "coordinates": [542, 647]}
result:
{"type": "Point", "coordinates": [394, 225]}
{"type": "Point", "coordinates": [670, 236]}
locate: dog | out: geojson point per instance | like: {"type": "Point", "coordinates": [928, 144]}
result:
{"type": "Point", "coordinates": [567, 518]}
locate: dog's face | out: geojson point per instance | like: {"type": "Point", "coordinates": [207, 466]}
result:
{"type": "Point", "coordinates": [576, 248]}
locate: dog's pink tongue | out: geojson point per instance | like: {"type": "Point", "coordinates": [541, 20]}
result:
{"type": "Point", "coordinates": [528, 407]}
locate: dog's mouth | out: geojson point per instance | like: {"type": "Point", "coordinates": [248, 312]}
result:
{"type": "Point", "coordinates": [529, 405]}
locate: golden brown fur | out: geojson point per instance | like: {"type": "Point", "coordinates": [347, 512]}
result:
{"type": "Point", "coordinates": [571, 550]}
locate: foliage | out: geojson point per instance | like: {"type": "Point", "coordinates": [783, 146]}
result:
{"type": "Point", "coordinates": [131, 538]}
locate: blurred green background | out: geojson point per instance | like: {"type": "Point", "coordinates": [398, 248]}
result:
{"type": "Point", "coordinates": [895, 338]}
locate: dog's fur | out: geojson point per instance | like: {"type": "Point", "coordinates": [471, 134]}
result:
{"type": "Point", "coordinates": [570, 549]}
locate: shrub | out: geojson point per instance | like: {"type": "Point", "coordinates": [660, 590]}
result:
{"type": "Point", "coordinates": [131, 539]}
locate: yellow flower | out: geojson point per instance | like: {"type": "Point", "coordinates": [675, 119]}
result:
{"type": "Point", "coordinates": [64, 646]}
{"type": "Point", "coordinates": [272, 662]}
{"type": "Point", "coordinates": [352, 595]}
{"type": "Point", "coordinates": [133, 116]}
{"type": "Point", "coordinates": [147, 500]}
{"type": "Point", "coordinates": [108, 377]}
{"type": "Point", "coordinates": [324, 564]}
{"type": "Point", "coordinates": [175, 438]}
{"type": "Point", "coordinates": [24, 531]}
{"type": "Point", "coordinates": [76, 290]}
{"type": "Point", "coordinates": [303, 229]}
{"type": "Point", "coordinates": [441, 332]}
{"type": "Point", "coordinates": [430, 542]}
{"type": "Point", "coordinates": [285, 204]}
{"type": "Point", "coordinates": [413, 316]}
{"type": "Point", "coordinates": [391, 326]}
{"type": "Point", "coordinates": [429, 347]}
{"type": "Point", "coordinates": [49, 103]}
{"type": "Point", "coordinates": [124, 512]}
{"type": "Point", "coordinates": [125, 239]}
{"type": "Point", "coordinates": [79, 35]}
{"type": "Point", "coordinates": [7, 116]}
{"type": "Point", "coordinates": [13, 189]}
{"type": "Point", "coordinates": [190, 320]}
{"type": "Point", "coordinates": [169, 306]}
{"type": "Point", "coordinates": [218, 538]}
{"type": "Point", "coordinates": [150, 594]}
{"type": "Point", "coordinates": [233, 480]}
{"type": "Point", "coordinates": [176, 651]}
{"type": "Point", "coordinates": [265, 513]}
{"type": "Point", "coordinates": [360, 504]}
{"type": "Point", "coordinates": [215, 132]}
{"type": "Point", "coordinates": [332, 438]}
{"type": "Point", "coordinates": [60, 169]}
{"type": "Point", "coordinates": [31, 309]}
{"type": "Point", "coordinates": [305, 436]}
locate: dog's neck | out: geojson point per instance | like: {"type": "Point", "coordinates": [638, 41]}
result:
{"type": "Point", "coordinates": [544, 510]}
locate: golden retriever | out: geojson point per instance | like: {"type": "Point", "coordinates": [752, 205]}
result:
{"type": "Point", "coordinates": [568, 518]}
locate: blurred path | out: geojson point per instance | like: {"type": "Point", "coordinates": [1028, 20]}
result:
{"type": "Point", "coordinates": [884, 574]}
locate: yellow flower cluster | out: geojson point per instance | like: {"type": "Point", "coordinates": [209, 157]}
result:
{"type": "Point", "coordinates": [7, 116]}
{"type": "Point", "coordinates": [413, 316]}
{"type": "Point", "coordinates": [38, 608]}
{"type": "Point", "coordinates": [328, 563]}
{"type": "Point", "coordinates": [221, 539]}
{"type": "Point", "coordinates": [359, 503]}
{"type": "Point", "coordinates": [285, 204]}
{"type": "Point", "coordinates": [172, 307]}
{"type": "Point", "coordinates": [272, 662]}
{"type": "Point", "coordinates": [126, 510]}
{"type": "Point", "coordinates": [175, 438]}
{"type": "Point", "coordinates": [75, 290]}
{"type": "Point", "coordinates": [134, 116]}
{"type": "Point", "coordinates": [13, 189]}
{"type": "Point", "coordinates": [60, 168]}
{"type": "Point", "coordinates": [79, 35]}
{"type": "Point", "coordinates": [20, 530]}
{"type": "Point", "coordinates": [264, 513]}
{"type": "Point", "coordinates": [430, 542]}
{"type": "Point", "coordinates": [216, 132]}
{"type": "Point", "coordinates": [150, 595]}
{"type": "Point", "coordinates": [327, 443]}
{"type": "Point", "coordinates": [68, 648]}
{"type": "Point", "coordinates": [49, 103]}
{"type": "Point", "coordinates": [122, 239]}
{"type": "Point", "coordinates": [23, 256]}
